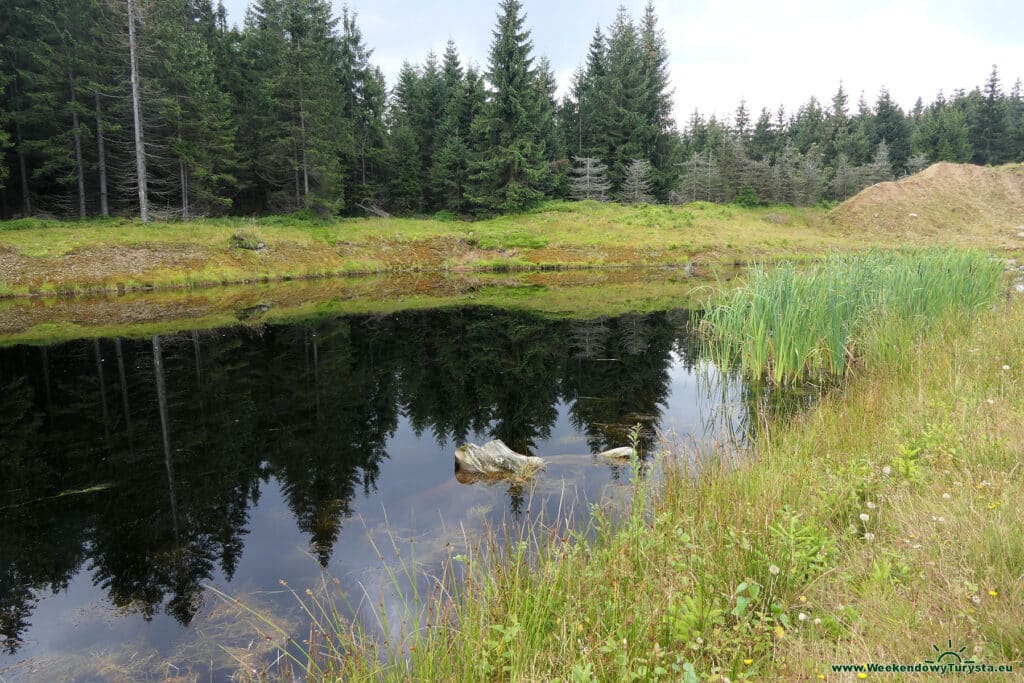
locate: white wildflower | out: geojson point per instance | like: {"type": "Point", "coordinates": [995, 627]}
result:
{"type": "Point", "coordinates": [946, 496]}
{"type": "Point", "coordinates": [870, 505]}
{"type": "Point", "coordinates": [802, 616]}
{"type": "Point", "coordinates": [773, 570]}
{"type": "Point", "coordinates": [864, 517]}
{"type": "Point", "coordinates": [1005, 368]}
{"type": "Point", "coordinates": [817, 621]}
{"type": "Point", "coordinates": [975, 599]}
{"type": "Point", "coordinates": [869, 536]}
{"type": "Point", "coordinates": [886, 470]}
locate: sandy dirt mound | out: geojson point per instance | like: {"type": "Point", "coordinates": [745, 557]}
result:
{"type": "Point", "coordinates": [944, 204]}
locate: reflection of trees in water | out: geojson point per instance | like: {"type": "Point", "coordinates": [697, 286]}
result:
{"type": "Point", "coordinates": [173, 435]}
{"type": "Point", "coordinates": [627, 385]}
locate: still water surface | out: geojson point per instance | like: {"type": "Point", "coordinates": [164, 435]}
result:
{"type": "Point", "coordinates": [135, 472]}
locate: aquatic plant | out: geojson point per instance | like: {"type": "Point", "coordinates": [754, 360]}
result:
{"type": "Point", "coordinates": [791, 323]}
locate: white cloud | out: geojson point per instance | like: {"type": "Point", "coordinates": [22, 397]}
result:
{"type": "Point", "coordinates": [785, 52]}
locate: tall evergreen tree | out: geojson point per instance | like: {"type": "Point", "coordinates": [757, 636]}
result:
{"type": "Point", "coordinates": [890, 126]}
{"type": "Point", "coordinates": [764, 140]}
{"type": "Point", "coordinates": [943, 135]}
{"type": "Point", "coordinates": [590, 128]}
{"type": "Point", "coordinates": [450, 164]}
{"type": "Point", "coordinates": [661, 141]}
{"type": "Point", "coordinates": [837, 127]}
{"type": "Point", "coordinates": [188, 113]}
{"type": "Point", "coordinates": [509, 169]}
{"type": "Point", "coordinates": [988, 123]}
{"type": "Point", "coordinates": [555, 153]}
{"type": "Point", "coordinates": [298, 132]}
{"type": "Point", "coordinates": [363, 96]}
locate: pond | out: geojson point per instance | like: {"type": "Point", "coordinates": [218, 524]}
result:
{"type": "Point", "coordinates": [135, 472]}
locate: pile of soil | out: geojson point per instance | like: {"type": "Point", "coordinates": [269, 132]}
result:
{"type": "Point", "coordinates": [943, 204]}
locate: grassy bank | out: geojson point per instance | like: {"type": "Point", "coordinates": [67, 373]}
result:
{"type": "Point", "coordinates": [116, 255]}
{"type": "Point", "coordinates": [881, 522]}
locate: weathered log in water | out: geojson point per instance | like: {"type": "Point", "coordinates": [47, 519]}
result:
{"type": "Point", "coordinates": [496, 460]}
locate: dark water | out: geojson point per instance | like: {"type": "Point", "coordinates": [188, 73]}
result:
{"type": "Point", "coordinates": [133, 473]}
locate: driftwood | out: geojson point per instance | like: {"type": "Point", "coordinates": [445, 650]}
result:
{"type": "Point", "coordinates": [373, 209]}
{"type": "Point", "coordinates": [622, 453]}
{"type": "Point", "coordinates": [494, 458]}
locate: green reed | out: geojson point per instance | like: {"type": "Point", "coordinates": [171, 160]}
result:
{"type": "Point", "coordinates": [793, 323]}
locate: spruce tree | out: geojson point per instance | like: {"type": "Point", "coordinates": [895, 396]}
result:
{"type": "Point", "coordinates": [942, 135]}
{"type": "Point", "coordinates": [808, 126]}
{"type": "Point", "coordinates": [700, 180]}
{"type": "Point", "coordinates": [660, 138]}
{"type": "Point", "coordinates": [1015, 128]}
{"type": "Point", "coordinates": [837, 124]}
{"type": "Point", "coordinates": [296, 128]}
{"type": "Point", "coordinates": [589, 179]}
{"type": "Point", "coordinates": [625, 87]}
{"type": "Point", "coordinates": [845, 180]}
{"type": "Point", "coordinates": [890, 125]}
{"type": "Point", "coordinates": [363, 96]}
{"type": "Point", "coordinates": [764, 140]}
{"type": "Point", "coordinates": [188, 114]}
{"type": "Point", "coordinates": [555, 154]}
{"type": "Point", "coordinates": [741, 122]}
{"type": "Point", "coordinates": [636, 186]}
{"type": "Point", "coordinates": [405, 182]}
{"type": "Point", "coordinates": [988, 124]}
{"type": "Point", "coordinates": [880, 168]}
{"type": "Point", "coordinates": [590, 128]}
{"type": "Point", "coordinates": [450, 164]}
{"type": "Point", "coordinates": [509, 169]}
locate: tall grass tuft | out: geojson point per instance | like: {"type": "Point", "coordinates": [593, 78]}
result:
{"type": "Point", "coordinates": [790, 324]}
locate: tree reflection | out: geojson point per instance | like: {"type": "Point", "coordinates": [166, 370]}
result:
{"type": "Point", "coordinates": [140, 460]}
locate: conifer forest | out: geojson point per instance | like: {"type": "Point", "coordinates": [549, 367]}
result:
{"type": "Point", "coordinates": [162, 109]}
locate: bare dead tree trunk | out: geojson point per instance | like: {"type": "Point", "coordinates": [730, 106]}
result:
{"type": "Point", "coordinates": [305, 161]}
{"type": "Point", "coordinates": [183, 172]}
{"type": "Point", "coordinates": [140, 151]}
{"type": "Point", "coordinates": [165, 429]}
{"type": "Point", "coordinates": [124, 394]}
{"type": "Point", "coordinates": [316, 374]}
{"type": "Point", "coordinates": [76, 135]}
{"type": "Point", "coordinates": [101, 159]}
{"type": "Point", "coordinates": [26, 198]}
{"type": "Point", "coordinates": [103, 389]}
{"type": "Point", "coordinates": [46, 384]}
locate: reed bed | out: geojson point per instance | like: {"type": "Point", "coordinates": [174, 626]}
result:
{"type": "Point", "coordinates": [790, 324]}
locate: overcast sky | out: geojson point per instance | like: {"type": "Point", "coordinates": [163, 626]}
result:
{"type": "Point", "coordinates": [771, 53]}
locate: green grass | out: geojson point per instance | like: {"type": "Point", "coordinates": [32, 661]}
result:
{"type": "Point", "coordinates": [877, 524]}
{"type": "Point", "coordinates": [792, 324]}
{"type": "Point", "coordinates": [47, 257]}
{"type": "Point", "coordinates": [50, 257]}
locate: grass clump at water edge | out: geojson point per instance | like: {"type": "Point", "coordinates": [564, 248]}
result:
{"type": "Point", "coordinates": [790, 324]}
